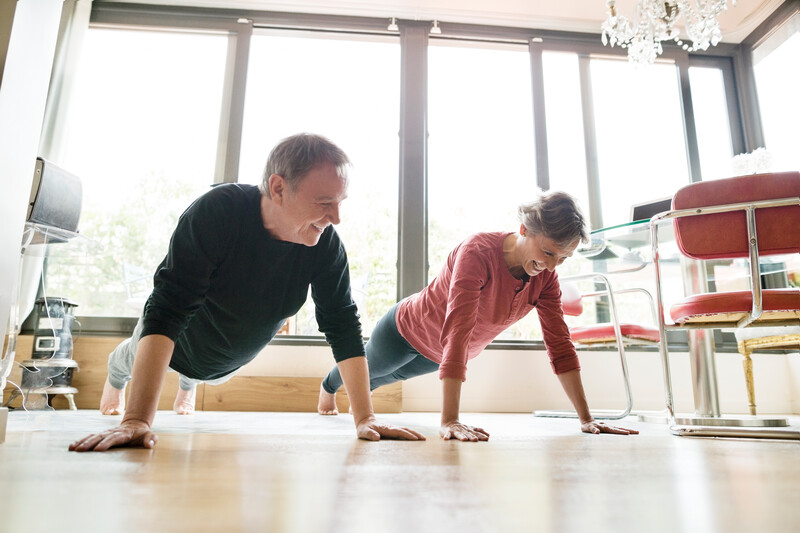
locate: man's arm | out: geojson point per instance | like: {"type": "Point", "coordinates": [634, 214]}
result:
{"type": "Point", "coordinates": [149, 368]}
{"type": "Point", "coordinates": [355, 374]}
{"type": "Point", "coordinates": [573, 386]}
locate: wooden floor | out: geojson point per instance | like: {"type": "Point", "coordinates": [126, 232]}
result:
{"type": "Point", "coordinates": [299, 472]}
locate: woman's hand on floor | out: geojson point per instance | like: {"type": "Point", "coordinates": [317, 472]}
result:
{"type": "Point", "coordinates": [457, 430]}
{"type": "Point", "coordinates": [593, 426]}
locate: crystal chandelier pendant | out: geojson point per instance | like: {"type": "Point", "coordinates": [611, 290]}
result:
{"type": "Point", "coordinates": [656, 20]}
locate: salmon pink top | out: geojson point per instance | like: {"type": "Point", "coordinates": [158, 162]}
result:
{"type": "Point", "coordinates": [474, 299]}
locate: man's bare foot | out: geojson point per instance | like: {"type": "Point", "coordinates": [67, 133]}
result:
{"type": "Point", "coordinates": [327, 403]}
{"type": "Point", "coordinates": [113, 400]}
{"type": "Point", "coordinates": [184, 401]}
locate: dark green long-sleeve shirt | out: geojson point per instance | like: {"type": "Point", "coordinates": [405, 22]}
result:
{"type": "Point", "coordinates": [226, 286]}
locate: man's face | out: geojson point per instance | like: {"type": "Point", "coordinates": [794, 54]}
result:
{"type": "Point", "coordinates": [539, 253]}
{"type": "Point", "coordinates": [311, 207]}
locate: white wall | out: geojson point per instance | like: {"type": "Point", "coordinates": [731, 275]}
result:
{"type": "Point", "coordinates": [27, 46]}
{"type": "Point", "coordinates": [521, 381]}
{"type": "Point", "coordinates": [794, 380]}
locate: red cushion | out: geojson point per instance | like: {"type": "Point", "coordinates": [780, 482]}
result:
{"type": "Point", "coordinates": [734, 302]}
{"type": "Point", "coordinates": [724, 235]}
{"type": "Point", "coordinates": [605, 333]}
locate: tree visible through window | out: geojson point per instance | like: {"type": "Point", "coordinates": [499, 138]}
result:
{"type": "Point", "coordinates": [141, 134]}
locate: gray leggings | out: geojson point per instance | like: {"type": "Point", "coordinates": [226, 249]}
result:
{"type": "Point", "coordinates": [390, 357]}
{"type": "Point", "coordinates": [120, 365]}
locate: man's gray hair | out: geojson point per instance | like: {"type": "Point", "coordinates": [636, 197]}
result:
{"type": "Point", "coordinates": [557, 216]}
{"type": "Point", "coordinates": [294, 157]}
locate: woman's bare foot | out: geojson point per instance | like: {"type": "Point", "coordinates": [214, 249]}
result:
{"type": "Point", "coordinates": [327, 403]}
{"type": "Point", "coordinates": [184, 402]}
{"type": "Point", "coordinates": [113, 400]}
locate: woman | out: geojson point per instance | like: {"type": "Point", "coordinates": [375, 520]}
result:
{"type": "Point", "coordinates": [490, 281]}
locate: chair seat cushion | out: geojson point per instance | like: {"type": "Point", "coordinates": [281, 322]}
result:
{"type": "Point", "coordinates": [777, 304]}
{"type": "Point", "coordinates": [602, 333]}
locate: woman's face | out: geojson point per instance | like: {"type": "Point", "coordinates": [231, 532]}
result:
{"type": "Point", "coordinates": [537, 252]}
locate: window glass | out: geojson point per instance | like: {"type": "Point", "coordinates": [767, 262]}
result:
{"type": "Point", "coordinates": [777, 79]}
{"type": "Point", "coordinates": [141, 133]}
{"type": "Point", "coordinates": [565, 144]}
{"type": "Point", "coordinates": [711, 122]}
{"type": "Point", "coordinates": [640, 139]}
{"type": "Point", "coordinates": [481, 161]}
{"type": "Point", "coordinates": [347, 89]}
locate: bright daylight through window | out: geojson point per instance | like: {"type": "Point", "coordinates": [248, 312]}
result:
{"type": "Point", "coordinates": [143, 125]}
{"type": "Point", "coordinates": [348, 90]}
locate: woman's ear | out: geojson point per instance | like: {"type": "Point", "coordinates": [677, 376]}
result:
{"type": "Point", "coordinates": [523, 230]}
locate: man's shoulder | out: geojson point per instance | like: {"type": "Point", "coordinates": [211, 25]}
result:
{"type": "Point", "coordinates": [232, 192]}
{"type": "Point", "coordinates": [225, 199]}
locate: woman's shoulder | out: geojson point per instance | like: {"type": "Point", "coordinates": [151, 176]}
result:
{"type": "Point", "coordinates": [480, 248]}
{"type": "Point", "coordinates": [485, 240]}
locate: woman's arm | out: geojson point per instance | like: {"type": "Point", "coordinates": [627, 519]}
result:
{"type": "Point", "coordinates": [451, 427]}
{"type": "Point", "coordinates": [571, 382]}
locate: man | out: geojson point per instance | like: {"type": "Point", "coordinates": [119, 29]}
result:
{"type": "Point", "coordinates": [239, 263]}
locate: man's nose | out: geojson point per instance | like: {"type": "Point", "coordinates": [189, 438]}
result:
{"type": "Point", "coordinates": [334, 214]}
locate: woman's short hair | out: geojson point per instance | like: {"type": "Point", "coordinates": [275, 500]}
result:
{"type": "Point", "coordinates": [555, 215]}
{"type": "Point", "coordinates": [296, 156]}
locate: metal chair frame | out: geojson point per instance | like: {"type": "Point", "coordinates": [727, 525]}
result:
{"type": "Point", "coordinates": [620, 342]}
{"type": "Point", "coordinates": [750, 320]}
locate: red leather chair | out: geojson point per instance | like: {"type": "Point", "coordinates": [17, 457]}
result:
{"type": "Point", "coordinates": [614, 333]}
{"type": "Point", "coordinates": [743, 217]}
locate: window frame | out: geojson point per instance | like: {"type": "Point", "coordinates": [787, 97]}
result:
{"type": "Point", "coordinates": [412, 266]}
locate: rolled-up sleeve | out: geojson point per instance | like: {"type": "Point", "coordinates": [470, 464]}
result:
{"type": "Point", "coordinates": [560, 350]}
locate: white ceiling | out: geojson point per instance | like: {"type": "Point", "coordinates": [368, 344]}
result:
{"type": "Point", "coordinates": [568, 15]}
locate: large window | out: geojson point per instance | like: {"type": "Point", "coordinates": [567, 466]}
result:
{"type": "Point", "coordinates": [346, 88]}
{"type": "Point", "coordinates": [481, 160]}
{"type": "Point", "coordinates": [142, 134]}
{"type": "Point", "coordinates": [777, 78]}
{"type": "Point", "coordinates": [641, 144]}
{"type": "Point", "coordinates": [565, 133]}
{"type": "Point", "coordinates": [711, 122]}
{"type": "Point", "coordinates": [149, 104]}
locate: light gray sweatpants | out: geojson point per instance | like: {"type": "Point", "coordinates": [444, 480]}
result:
{"type": "Point", "coordinates": [120, 365]}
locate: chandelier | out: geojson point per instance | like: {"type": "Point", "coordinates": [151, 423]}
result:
{"type": "Point", "coordinates": [655, 21]}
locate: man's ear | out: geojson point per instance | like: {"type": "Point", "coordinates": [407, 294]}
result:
{"type": "Point", "coordinates": [522, 229]}
{"type": "Point", "coordinates": [277, 188]}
